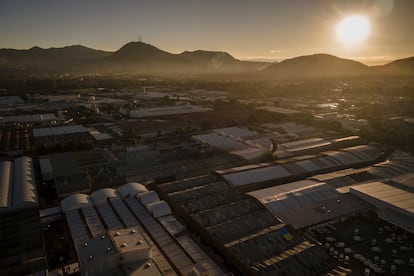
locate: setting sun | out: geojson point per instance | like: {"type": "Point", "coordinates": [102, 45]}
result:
{"type": "Point", "coordinates": [353, 29]}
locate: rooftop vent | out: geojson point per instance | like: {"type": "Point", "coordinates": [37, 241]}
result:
{"type": "Point", "coordinates": [103, 237]}
{"type": "Point", "coordinates": [117, 234]}
{"type": "Point", "coordinates": [124, 244]}
{"type": "Point", "coordinates": [140, 242]}
{"type": "Point", "coordinates": [108, 249]}
{"type": "Point", "coordinates": [85, 244]}
{"type": "Point", "coordinates": [133, 231]}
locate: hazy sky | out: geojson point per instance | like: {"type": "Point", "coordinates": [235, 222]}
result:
{"type": "Point", "coordinates": [252, 29]}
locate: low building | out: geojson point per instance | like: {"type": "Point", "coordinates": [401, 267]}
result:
{"type": "Point", "coordinates": [246, 144]}
{"type": "Point", "coordinates": [392, 203]}
{"type": "Point", "coordinates": [50, 136]}
{"type": "Point", "coordinates": [131, 231]}
{"type": "Point", "coordinates": [307, 202]}
{"type": "Point", "coordinates": [245, 233]}
{"type": "Point", "coordinates": [21, 243]}
{"type": "Point", "coordinates": [166, 110]}
{"type": "Point", "coordinates": [257, 176]}
{"type": "Point", "coordinates": [30, 118]}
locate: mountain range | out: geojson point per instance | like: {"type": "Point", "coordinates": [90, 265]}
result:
{"type": "Point", "coordinates": [142, 58]}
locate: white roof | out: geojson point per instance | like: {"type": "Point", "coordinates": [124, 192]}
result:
{"type": "Point", "coordinates": [101, 195]}
{"type": "Point", "coordinates": [387, 194]}
{"type": "Point", "coordinates": [75, 201]}
{"type": "Point", "coordinates": [131, 189]}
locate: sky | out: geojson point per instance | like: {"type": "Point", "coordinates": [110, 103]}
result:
{"type": "Point", "coordinates": [247, 29]}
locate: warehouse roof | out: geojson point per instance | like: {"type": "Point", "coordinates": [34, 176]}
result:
{"type": "Point", "coordinates": [60, 130]}
{"type": "Point", "coordinates": [103, 216]}
{"type": "Point", "coordinates": [166, 110]}
{"type": "Point", "coordinates": [256, 175]}
{"type": "Point", "coordinates": [242, 142]}
{"type": "Point", "coordinates": [387, 194]}
{"type": "Point", "coordinates": [102, 195]}
{"type": "Point", "coordinates": [29, 118]}
{"type": "Point", "coordinates": [296, 166]}
{"type": "Point", "coordinates": [131, 189]}
{"type": "Point", "coordinates": [245, 230]}
{"type": "Point", "coordinates": [306, 202]}
{"type": "Point", "coordinates": [11, 100]}
{"type": "Point", "coordinates": [17, 184]}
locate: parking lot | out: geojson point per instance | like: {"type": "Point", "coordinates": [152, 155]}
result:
{"type": "Point", "coordinates": [370, 244]}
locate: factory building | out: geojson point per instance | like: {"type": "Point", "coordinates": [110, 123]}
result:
{"type": "Point", "coordinates": [257, 176]}
{"type": "Point", "coordinates": [247, 235]}
{"type": "Point", "coordinates": [21, 246]}
{"type": "Point", "coordinates": [50, 136]}
{"type": "Point", "coordinates": [131, 231]}
{"type": "Point", "coordinates": [386, 188]}
{"type": "Point", "coordinates": [30, 118]}
{"type": "Point", "coordinates": [246, 144]}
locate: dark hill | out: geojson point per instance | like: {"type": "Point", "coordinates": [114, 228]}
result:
{"type": "Point", "coordinates": [403, 66]}
{"type": "Point", "coordinates": [213, 61]}
{"type": "Point", "coordinates": [318, 65]}
{"type": "Point", "coordinates": [65, 59]}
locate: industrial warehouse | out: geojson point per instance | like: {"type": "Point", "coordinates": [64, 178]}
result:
{"type": "Point", "coordinates": [155, 191]}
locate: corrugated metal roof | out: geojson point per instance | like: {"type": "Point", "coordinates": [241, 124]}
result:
{"type": "Point", "coordinates": [294, 195]}
{"type": "Point", "coordinates": [388, 194]}
{"type": "Point", "coordinates": [29, 118]}
{"type": "Point", "coordinates": [93, 221]}
{"type": "Point", "coordinates": [148, 197]}
{"type": "Point", "coordinates": [238, 141]}
{"type": "Point", "coordinates": [221, 142]}
{"type": "Point", "coordinates": [256, 175]}
{"type": "Point", "coordinates": [109, 217]}
{"type": "Point", "coordinates": [126, 216]}
{"type": "Point", "coordinates": [6, 182]}
{"type": "Point", "coordinates": [101, 195]}
{"type": "Point", "coordinates": [24, 187]}
{"type": "Point", "coordinates": [159, 208]}
{"type": "Point", "coordinates": [75, 201]}
{"type": "Point", "coordinates": [61, 130]}
{"type": "Point", "coordinates": [235, 132]}
{"type": "Point", "coordinates": [17, 184]}
{"type": "Point", "coordinates": [131, 189]}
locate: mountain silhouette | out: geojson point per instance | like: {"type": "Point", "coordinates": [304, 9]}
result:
{"type": "Point", "coordinates": [317, 65]}
{"type": "Point", "coordinates": [143, 58]}
{"type": "Point", "coordinates": [403, 66]}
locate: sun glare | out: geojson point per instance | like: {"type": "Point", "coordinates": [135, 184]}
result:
{"type": "Point", "coordinates": [353, 29]}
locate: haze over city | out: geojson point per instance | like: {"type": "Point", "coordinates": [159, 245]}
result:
{"type": "Point", "coordinates": [269, 30]}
